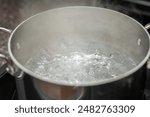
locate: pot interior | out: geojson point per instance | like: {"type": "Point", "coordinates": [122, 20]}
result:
{"type": "Point", "coordinates": [68, 39]}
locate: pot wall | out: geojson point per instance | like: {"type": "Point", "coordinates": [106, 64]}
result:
{"type": "Point", "coordinates": [131, 87]}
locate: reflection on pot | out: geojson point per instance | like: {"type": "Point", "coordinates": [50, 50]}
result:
{"type": "Point", "coordinates": [52, 91]}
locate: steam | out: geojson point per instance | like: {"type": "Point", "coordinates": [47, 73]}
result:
{"type": "Point", "coordinates": [32, 7]}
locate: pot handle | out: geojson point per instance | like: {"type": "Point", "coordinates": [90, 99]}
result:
{"type": "Point", "coordinates": [8, 61]}
{"type": "Point", "coordinates": [14, 71]}
{"type": "Point", "coordinates": [11, 68]}
{"type": "Point", "coordinates": [6, 30]}
{"type": "Point", "coordinates": [147, 26]}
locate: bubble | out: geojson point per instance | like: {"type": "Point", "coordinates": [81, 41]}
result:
{"type": "Point", "coordinates": [79, 67]}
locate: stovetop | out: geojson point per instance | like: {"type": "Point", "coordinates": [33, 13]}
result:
{"type": "Point", "coordinates": [14, 12]}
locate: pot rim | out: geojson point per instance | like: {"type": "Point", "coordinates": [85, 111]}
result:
{"type": "Point", "coordinates": [97, 82]}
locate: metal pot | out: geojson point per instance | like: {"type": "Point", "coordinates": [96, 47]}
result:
{"type": "Point", "coordinates": [80, 28]}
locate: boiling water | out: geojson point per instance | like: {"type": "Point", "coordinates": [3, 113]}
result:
{"type": "Point", "coordinates": [78, 67]}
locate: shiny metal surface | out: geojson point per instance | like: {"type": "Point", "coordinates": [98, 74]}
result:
{"type": "Point", "coordinates": [9, 63]}
{"type": "Point", "coordinates": [5, 29]}
{"type": "Point", "coordinates": [147, 26]}
{"type": "Point", "coordinates": [49, 91]}
{"type": "Point", "coordinates": [5, 58]}
{"type": "Point", "coordinates": [75, 26]}
{"type": "Point", "coordinates": [80, 28]}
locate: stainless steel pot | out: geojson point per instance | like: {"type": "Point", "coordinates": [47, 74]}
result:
{"type": "Point", "coordinates": [80, 28]}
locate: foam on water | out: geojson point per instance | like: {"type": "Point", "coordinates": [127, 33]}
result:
{"type": "Point", "coordinates": [78, 67]}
